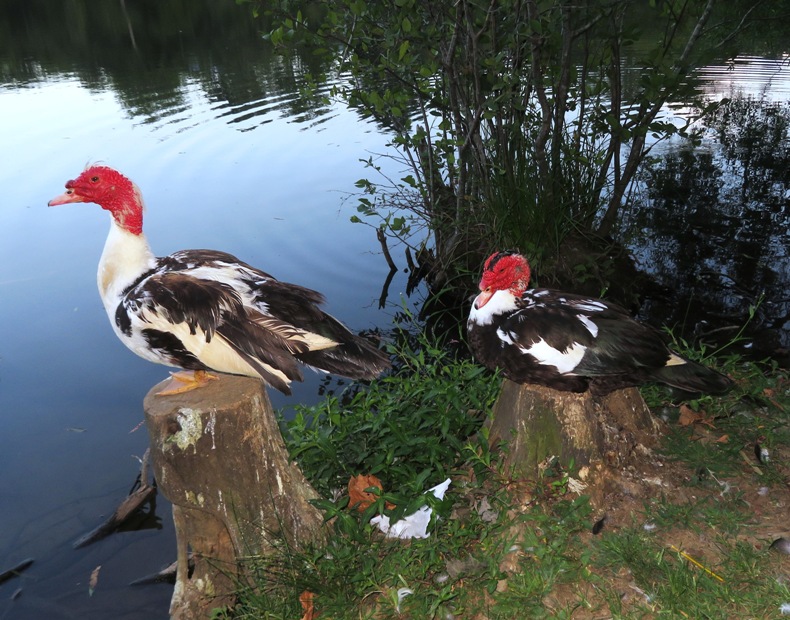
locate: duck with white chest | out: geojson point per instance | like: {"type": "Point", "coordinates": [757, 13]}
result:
{"type": "Point", "coordinates": [205, 310]}
{"type": "Point", "coordinates": [570, 342]}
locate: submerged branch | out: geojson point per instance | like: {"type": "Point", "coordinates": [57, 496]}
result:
{"type": "Point", "coordinates": [387, 256]}
{"type": "Point", "coordinates": [14, 571]}
{"type": "Point", "coordinates": [128, 507]}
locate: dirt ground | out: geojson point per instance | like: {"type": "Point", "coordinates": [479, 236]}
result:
{"type": "Point", "coordinates": [619, 496]}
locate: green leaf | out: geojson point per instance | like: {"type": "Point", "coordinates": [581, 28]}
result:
{"type": "Point", "coordinates": [403, 49]}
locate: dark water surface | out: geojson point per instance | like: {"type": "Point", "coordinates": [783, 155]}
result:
{"type": "Point", "coordinates": [231, 154]}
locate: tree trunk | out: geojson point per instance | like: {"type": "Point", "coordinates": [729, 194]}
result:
{"type": "Point", "coordinates": [534, 422]}
{"type": "Point", "coordinates": [219, 457]}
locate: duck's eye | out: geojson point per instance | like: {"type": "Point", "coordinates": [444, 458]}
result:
{"type": "Point", "coordinates": [94, 179]}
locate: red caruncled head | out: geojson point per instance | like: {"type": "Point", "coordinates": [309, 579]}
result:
{"type": "Point", "coordinates": [110, 190]}
{"type": "Point", "coordinates": [503, 271]}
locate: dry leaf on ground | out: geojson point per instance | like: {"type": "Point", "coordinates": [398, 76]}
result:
{"type": "Point", "coordinates": [361, 498]}
{"type": "Point", "coordinates": [306, 599]}
{"type": "Point", "coordinates": [689, 417]}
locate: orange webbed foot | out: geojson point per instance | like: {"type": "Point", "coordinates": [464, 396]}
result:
{"type": "Point", "coordinates": [186, 381]}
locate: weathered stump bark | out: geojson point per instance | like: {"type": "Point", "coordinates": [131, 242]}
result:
{"type": "Point", "coordinates": [533, 422]}
{"type": "Point", "coordinates": [219, 457]}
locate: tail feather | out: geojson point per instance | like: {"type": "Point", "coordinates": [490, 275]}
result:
{"type": "Point", "coordinates": [693, 377]}
{"type": "Point", "coordinates": [355, 358]}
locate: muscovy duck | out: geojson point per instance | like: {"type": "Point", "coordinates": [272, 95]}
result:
{"type": "Point", "coordinates": [570, 342]}
{"type": "Point", "coordinates": [203, 310]}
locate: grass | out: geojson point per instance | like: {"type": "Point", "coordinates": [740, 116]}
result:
{"type": "Point", "coordinates": [666, 582]}
{"type": "Point", "coordinates": [694, 545]}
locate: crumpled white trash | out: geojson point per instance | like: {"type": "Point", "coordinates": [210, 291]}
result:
{"type": "Point", "coordinates": [414, 525]}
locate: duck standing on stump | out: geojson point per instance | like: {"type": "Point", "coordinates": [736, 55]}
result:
{"type": "Point", "coordinates": [570, 342]}
{"type": "Point", "coordinates": [203, 310]}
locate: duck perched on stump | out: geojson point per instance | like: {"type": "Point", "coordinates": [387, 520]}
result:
{"type": "Point", "coordinates": [204, 310]}
{"type": "Point", "coordinates": [570, 342]}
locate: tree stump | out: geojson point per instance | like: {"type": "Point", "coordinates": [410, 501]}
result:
{"type": "Point", "coordinates": [219, 457]}
{"type": "Point", "coordinates": [534, 422]}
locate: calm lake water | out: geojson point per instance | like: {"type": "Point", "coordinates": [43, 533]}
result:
{"type": "Point", "coordinates": [230, 154]}
{"type": "Point", "coordinates": [212, 128]}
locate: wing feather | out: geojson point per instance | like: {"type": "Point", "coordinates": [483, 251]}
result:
{"type": "Point", "coordinates": [265, 326]}
{"type": "Point", "coordinates": [615, 343]}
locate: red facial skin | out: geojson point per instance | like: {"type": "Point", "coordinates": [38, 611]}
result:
{"type": "Point", "coordinates": [509, 272]}
{"type": "Point", "coordinates": [111, 191]}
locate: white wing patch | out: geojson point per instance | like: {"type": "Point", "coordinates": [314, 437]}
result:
{"type": "Point", "coordinates": [217, 354]}
{"type": "Point", "coordinates": [591, 327]}
{"type": "Point", "coordinates": [506, 337]}
{"type": "Point", "coordinates": [589, 305]}
{"type": "Point", "coordinates": [565, 361]}
{"type": "Point", "coordinates": [221, 272]}
{"type": "Point", "coordinates": [293, 336]}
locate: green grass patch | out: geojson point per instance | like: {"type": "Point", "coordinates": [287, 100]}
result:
{"type": "Point", "coordinates": [411, 429]}
{"type": "Point", "coordinates": [666, 580]}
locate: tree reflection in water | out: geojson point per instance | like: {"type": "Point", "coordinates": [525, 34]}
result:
{"type": "Point", "coordinates": [712, 224]}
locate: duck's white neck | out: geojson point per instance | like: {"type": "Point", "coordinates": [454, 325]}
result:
{"type": "Point", "coordinates": [125, 257]}
{"type": "Point", "coordinates": [501, 302]}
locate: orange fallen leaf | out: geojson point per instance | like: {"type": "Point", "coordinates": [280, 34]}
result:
{"type": "Point", "coordinates": [357, 494]}
{"type": "Point", "coordinates": [361, 498]}
{"type": "Point", "coordinates": [306, 599]}
{"type": "Point", "coordinates": [689, 417]}
{"type": "Point", "coordinates": [723, 439]}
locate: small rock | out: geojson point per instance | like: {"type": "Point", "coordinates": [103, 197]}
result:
{"type": "Point", "coordinates": [598, 525]}
{"type": "Point", "coordinates": [782, 545]}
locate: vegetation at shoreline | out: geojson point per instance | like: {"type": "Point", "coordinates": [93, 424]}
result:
{"type": "Point", "coordinates": [519, 122]}
{"type": "Point", "coordinates": [690, 538]}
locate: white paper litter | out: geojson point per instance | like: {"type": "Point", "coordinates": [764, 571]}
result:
{"type": "Point", "coordinates": [414, 525]}
{"type": "Point", "coordinates": [402, 594]}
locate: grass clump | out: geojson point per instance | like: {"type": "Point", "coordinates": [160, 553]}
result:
{"type": "Point", "coordinates": [500, 563]}
{"type": "Point", "coordinates": [731, 430]}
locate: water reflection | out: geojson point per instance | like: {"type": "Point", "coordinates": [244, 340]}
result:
{"type": "Point", "coordinates": [767, 79]}
{"type": "Point", "coordinates": [161, 58]}
{"type": "Point", "coordinates": [715, 224]}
